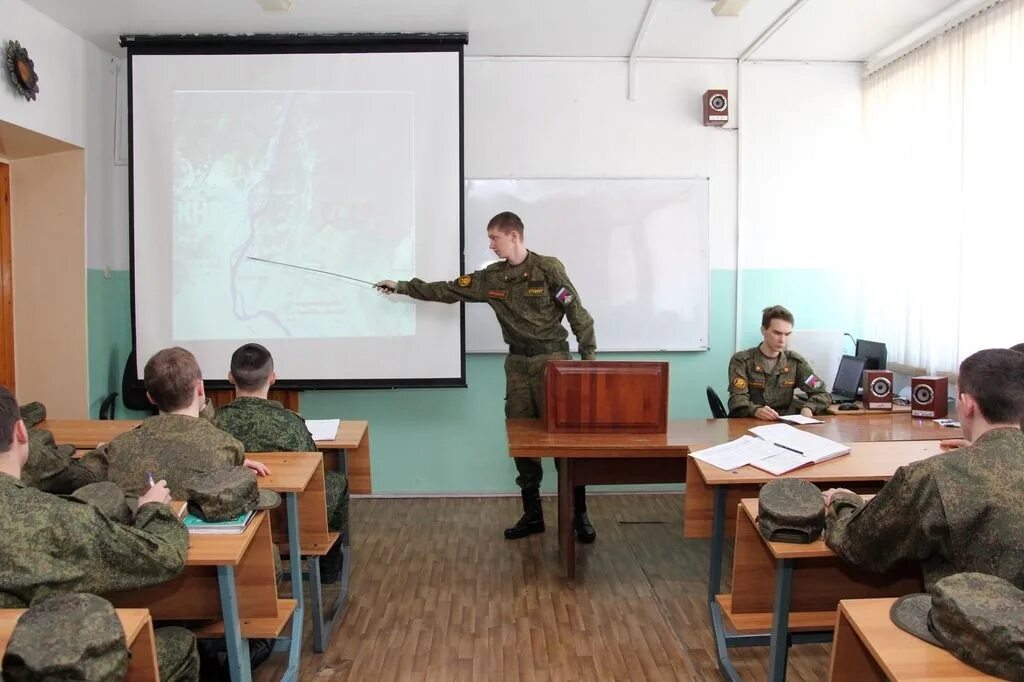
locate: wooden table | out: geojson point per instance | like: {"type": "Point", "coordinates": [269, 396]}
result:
{"type": "Point", "coordinates": [349, 452]}
{"type": "Point", "coordinates": [138, 633]}
{"type": "Point", "coordinates": [230, 581]}
{"type": "Point", "coordinates": [865, 469]}
{"type": "Point", "coordinates": [869, 647]}
{"type": "Point", "coordinates": [299, 477]}
{"type": "Point", "coordinates": [591, 459]}
{"type": "Point", "coordinates": [809, 581]}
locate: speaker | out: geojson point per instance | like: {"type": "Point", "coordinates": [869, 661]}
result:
{"type": "Point", "coordinates": [716, 107]}
{"type": "Point", "coordinates": [877, 389]}
{"type": "Point", "coordinates": [929, 397]}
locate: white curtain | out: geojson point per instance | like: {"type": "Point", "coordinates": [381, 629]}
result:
{"type": "Point", "coordinates": [944, 131]}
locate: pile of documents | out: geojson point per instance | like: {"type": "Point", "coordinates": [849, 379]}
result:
{"type": "Point", "coordinates": [775, 448]}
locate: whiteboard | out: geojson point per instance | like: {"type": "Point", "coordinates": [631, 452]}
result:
{"type": "Point", "coordinates": [635, 249]}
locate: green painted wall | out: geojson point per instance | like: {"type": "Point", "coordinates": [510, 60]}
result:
{"type": "Point", "coordinates": [452, 440]}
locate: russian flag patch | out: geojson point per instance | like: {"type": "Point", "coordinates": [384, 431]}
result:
{"type": "Point", "coordinates": [814, 382]}
{"type": "Point", "coordinates": [564, 296]}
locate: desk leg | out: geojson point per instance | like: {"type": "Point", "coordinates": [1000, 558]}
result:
{"type": "Point", "coordinates": [295, 559]}
{"type": "Point", "coordinates": [566, 542]}
{"type": "Point", "coordinates": [778, 652]}
{"type": "Point", "coordinates": [238, 648]}
{"type": "Point", "coordinates": [717, 545]}
{"type": "Point", "coordinates": [325, 624]}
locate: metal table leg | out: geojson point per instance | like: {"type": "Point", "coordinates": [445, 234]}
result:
{"type": "Point", "coordinates": [237, 646]}
{"type": "Point", "coordinates": [778, 652]}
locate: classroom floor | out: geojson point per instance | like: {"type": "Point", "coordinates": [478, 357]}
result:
{"type": "Point", "coordinates": [438, 594]}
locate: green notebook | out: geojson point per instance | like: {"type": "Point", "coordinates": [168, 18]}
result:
{"type": "Point", "coordinates": [194, 524]}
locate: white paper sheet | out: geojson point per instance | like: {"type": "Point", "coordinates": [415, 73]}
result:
{"type": "Point", "coordinates": [323, 429]}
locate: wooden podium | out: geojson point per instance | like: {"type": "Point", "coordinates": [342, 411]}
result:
{"type": "Point", "coordinates": [606, 397]}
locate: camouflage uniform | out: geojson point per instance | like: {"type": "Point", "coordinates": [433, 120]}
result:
{"type": "Point", "coordinates": [266, 426]}
{"type": "Point", "coordinates": [51, 467]}
{"type": "Point", "coordinates": [174, 447]}
{"type": "Point", "coordinates": [529, 300]}
{"type": "Point", "coordinates": [751, 386]}
{"type": "Point", "coordinates": [50, 544]}
{"type": "Point", "coordinates": [959, 511]}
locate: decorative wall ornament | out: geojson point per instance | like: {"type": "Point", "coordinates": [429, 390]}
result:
{"type": "Point", "coordinates": [21, 70]}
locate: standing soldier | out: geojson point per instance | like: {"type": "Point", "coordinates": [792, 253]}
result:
{"type": "Point", "coordinates": [529, 293]}
{"type": "Point", "coordinates": [762, 379]}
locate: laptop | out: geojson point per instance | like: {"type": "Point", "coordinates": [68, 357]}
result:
{"type": "Point", "coordinates": [848, 379]}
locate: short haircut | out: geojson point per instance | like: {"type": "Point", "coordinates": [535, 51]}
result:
{"type": "Point", "coordinates": [251, 366]}
{"type": "Point", "coordinates": [9, 416]}
{"type": "Point", "coordinates": [170, 378]}
{"type": "Point", "coordinates": [1019, 348]}
{"type": "Point", "coordinates": [775, 312]}
{"type": "Point", "coordinates": [995, 378]}
{"type": "Point", "coordinates": [506, 222]}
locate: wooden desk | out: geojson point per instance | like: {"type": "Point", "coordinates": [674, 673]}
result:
{"type": "Point", "coordinates": [588, 458]}
{"type": "Point", "coordinates": [868, 647]}
{"type": "Point", "coordinates": [348, 452]}
{"type": "Point", "coordinates": [299, 476]}
{"type": "Point", "coordinates": [229, 580]}
{"type": "Point", "coordinates": [834, 409]}
{"type": "Point", "coordinates": [138, 633]}
{"type": "Point", "coordinates": [809, 581]}
{"type": "Point", "coordinates": [865, 469]}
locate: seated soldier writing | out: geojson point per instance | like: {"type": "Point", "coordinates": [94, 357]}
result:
{"type": "Point", "coordinates": [264, 425]}
{"type": "Point", "coordinates": [51, 544]}
{"type": "Point", "coordinates": [959, 511]}
{"type": "Point", "coordinates": [763, 379]}
{"type": "Point", "coordinates": [175, 444]}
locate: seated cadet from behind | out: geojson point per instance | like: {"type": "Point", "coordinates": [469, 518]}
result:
{"type": "Point", "coordinates": [762, 379]}
{"type": "Point", "coordinates": [175, 444]}
{"type": "Point", "coordinates": [264, 425]}
{"type": "Point", "coordinates": [51, 544]}
{"type": "Point", "coordinates": [953, 443]}
{"type": "Point", "coordinates": [959, 511]}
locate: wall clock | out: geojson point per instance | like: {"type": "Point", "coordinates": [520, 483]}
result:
{"type": "Point", "coordinates": [21, 70]}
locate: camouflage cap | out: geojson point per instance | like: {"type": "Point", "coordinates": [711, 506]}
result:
{"type": "Point", "coordinates": [67, 636]}
{"type": "Point", "coordinates": [108, 497]}
{"type": "Point", "coordinates": [33, 413]}
{"type": "Point", "coordinates": [790, 510]}
{"type": "Point", "coordinates": [979, 618]}
{"type": "Point", "coordinates": [227, 494]}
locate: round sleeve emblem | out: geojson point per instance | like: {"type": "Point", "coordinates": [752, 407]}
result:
{"type": "Point", "coordinates": [740, 383]}
{"type": "Point", "coordinates": [464, 281]}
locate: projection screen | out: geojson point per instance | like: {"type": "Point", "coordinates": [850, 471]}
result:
{"type": "Point", "coordinates": [322, 154]}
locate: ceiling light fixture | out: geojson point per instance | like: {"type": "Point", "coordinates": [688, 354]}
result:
{"type": "Point", "coordinates": [275, 5]}
{"type": "Point", "coordinates": [728, 8]}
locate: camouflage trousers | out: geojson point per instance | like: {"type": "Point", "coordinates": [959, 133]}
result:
{"type": "Point", "coordinates": [337, 501]}
{"type": "Point", "coordinates": [524, 399]}
{"type": "Point", "coordinates": [176, 655]}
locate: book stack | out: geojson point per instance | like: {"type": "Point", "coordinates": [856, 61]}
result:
{"type": "Point", "coordinates": [196, 525]}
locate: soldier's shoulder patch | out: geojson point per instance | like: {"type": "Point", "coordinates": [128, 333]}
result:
{"type": "Point", "coordinates": [464, 281]}
{"type": "Point", "coordinates": [740, 383]}
{"type": "Point", "coordinates": [564, 296]}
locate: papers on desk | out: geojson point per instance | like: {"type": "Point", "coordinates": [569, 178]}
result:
{"type": "Point", "coordinates": [323, 429]}
{"type": "Point", "coordinates": [778, 448]}
{"type": "Point", "coordinates": [800, 419]}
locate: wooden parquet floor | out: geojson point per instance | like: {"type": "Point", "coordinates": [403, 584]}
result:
{"type": "Point", "coordinates": [438, 594]}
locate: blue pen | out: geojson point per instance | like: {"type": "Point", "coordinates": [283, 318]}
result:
{"type": "Point", "coordinates": [149, 479]}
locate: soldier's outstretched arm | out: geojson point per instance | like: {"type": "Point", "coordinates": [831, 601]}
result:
{"type": "Point", "coordinates": [467, 288]}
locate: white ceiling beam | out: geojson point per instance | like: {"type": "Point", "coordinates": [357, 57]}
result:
{"type": "Point", "coordinates": [635, 51]}
{"type": "Point", "coordinates": [772, 30]}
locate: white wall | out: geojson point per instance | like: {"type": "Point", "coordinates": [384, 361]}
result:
{"type": "Point", "coordinates": [75, 104]}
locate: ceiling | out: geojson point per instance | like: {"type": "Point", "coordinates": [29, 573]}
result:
{"type": "Point", "coordinates": [840, 30]}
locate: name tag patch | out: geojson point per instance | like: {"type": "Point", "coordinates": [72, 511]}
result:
{"type": "Point", "coordinates": [757, 384]}
{"type": "Point", "coordinates": [787, 384]}
{"type": "Point", "coordinates": [498, 293]}
{"type": "Point", "coordinates": [535, 291]}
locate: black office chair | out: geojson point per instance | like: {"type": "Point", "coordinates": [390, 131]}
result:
{"type": "Point", "coordinates": [715, 403]}
{"type": "Point", "coordinates": [133, 394]}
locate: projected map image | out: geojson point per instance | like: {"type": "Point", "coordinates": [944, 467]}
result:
{"type": "Point", "coordinates": [321, 180]}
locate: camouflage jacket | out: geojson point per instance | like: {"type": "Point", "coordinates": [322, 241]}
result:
{"type": "Point", "coordinates": [174, 447]}
{"type": "Point", "coordinates": [51, 468]}
{"type": "Point", "coordinates": [529, 300]}
{"type": "Point", "coordinates": [265, 426]}
{"type": "Point", "coordinates": [55, 544]}
{"type": "Point", "coordinates": [751, 387]}
{"type": "Point", "coordinates": [959, 511]}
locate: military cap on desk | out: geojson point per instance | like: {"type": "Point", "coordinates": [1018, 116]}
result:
{"type": "Point", "coordinates": [67, 636]}
{"type": "Point", "coordinates": [979, 618]}
{"type": "Point", "coordinates": [108, 497]}
{"type": "Point", "coordinates": [33, 413]}
{"type": "Point", "coordinates": [227, 494]}
{"type": "Point", "coordinates": [790, 510]}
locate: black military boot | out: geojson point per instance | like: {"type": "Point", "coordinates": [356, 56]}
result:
{"type": "Point", "coordinates": [532, 520]}
{"type": "Point", "coordinates": [580, 523]}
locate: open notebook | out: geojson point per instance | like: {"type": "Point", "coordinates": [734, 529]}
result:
{"type": "Point", "coordinates": [777, 448]}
